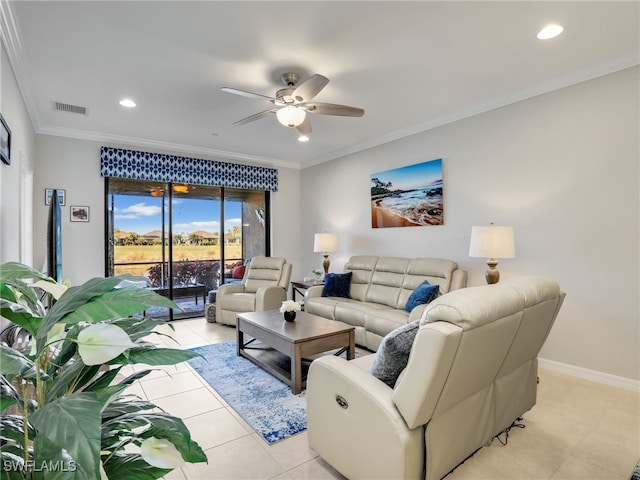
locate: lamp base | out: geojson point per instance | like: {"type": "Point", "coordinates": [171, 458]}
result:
{"type": "Point", "coordinates": [325, 263]}
{"type": "Point", "coordinates": [492, 274]}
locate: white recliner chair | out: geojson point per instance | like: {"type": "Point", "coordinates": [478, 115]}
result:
{"type": "Point", "coordinates": [264, 287]}
{"type": "Point", "coordinates": [472, 371]}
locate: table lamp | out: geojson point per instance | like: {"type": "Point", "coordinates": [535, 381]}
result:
{"type": "Point", "coordinates": [325, 243]}
{"type": "Point", "coordinates": [492, 242]}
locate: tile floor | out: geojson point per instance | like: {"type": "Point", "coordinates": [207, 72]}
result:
{"type": "Point", "coordinates": [578, 430]}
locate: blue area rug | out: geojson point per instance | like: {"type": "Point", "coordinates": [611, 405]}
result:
{"type": "Point", "coordinates": [263, 401]}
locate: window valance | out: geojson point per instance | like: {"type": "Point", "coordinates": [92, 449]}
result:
{"type": "Point", "coordinates": [117, 162]}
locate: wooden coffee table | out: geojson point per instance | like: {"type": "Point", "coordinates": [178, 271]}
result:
{"type": "Point", "coordinates": [306, 336]}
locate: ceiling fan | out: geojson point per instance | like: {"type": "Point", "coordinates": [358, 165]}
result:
{"type": "Point", "coordinates": [293, 102]}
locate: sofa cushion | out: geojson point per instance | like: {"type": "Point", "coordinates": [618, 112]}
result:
{"type": "Point", "coordinates": [336, 285]}
{"type": "Point", "coordinates": [393, 354]}
{"type": "Point", "coordinates": [425, 293]}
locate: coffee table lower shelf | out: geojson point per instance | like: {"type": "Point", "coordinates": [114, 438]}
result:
{"type": "Point", "coordinates": [287, 348]}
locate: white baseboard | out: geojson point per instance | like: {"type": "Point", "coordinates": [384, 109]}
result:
{"type": "Point", "coordinates": [594, 375]}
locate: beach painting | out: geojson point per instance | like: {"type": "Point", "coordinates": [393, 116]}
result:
{"type": "Point", "coordinates": [409, 196]}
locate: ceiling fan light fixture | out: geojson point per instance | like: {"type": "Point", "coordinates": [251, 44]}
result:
{"type": "Point", "coordinates": [179, 188]}
{"type": "Point", "coordinates": [291, 116]}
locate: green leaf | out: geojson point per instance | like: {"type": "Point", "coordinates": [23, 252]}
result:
{"type": "Point", "coordinates": [8, 394]}
{"type": "Point", "coordinates": [123, 406]}
{"type": "Point", "coordinates": [173, 429]}
{"type": "Point", "coordinates": [77, 297]}
{"type": "Point", "coordinates": [73, 423]}
{"type": "Point", "coordinates": [55, 463]}
{"type": "Point", "coordinates": [136, 376]}
{"type": "Point", "coordinates": [12, 272]}
{"type": "Point", "coordinates": [103, 380]}
{"type": "Point", "coordinates": [138, 327]}
{"type": "Point", "coordinates": [13, 362]}
{"type": "Point", "coordinates": [99, 300]}
{"type": "Point", "coordinates": [153, 356]}
{"type": "Point", "coordinates": [73, 377]}
{"type": "Point", "coordinates": [66, 352]}
{"type": "Point", "coordinates": [132, 467]}
{"type": "Point", "coordinates": [107, 394]}
{"type": "Point", "coordinates": [12, 465]}
{"type": "Point", "coordinates": [12, 428]}
{"type": "Point", "coordinates": [19, 314]}
{"type": "Point", "coordinates": [15, 274]}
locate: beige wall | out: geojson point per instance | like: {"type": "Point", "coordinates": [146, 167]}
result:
{"type": "Point", "coordinates": [15, 179]}
{"type": "Point", "coordinates": [561, 168]}
{"type": "Point", "coordinates": [74, 165]}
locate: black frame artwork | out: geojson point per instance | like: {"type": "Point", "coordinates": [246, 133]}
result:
{"type": "Point", "coordinates": [5, 141]}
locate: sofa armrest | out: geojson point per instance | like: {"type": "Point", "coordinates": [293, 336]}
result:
{"type": "Point", "coordinates": [228, 288]}
{"type": "Point", "coordinates": [366, 437]}
{"type": "Point", "coordinates": [315, 291]}
{"type": "Point", "coordinates": [458, 279]}
{"type": "Point", "coordinates": [417, 312]}
{"type": "Point", "coordinates": [270, 298]}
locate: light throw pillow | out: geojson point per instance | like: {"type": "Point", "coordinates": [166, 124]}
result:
{"type": "Point", "coordinates": [423, 294]}
{"type": "Point", "coordinates": [337, 285]}
{"type": "Point", "coordinates": [393, 353]}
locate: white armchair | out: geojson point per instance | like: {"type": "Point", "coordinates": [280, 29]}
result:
{"type": "Point", "coordinates": [471, 372]}
{"type": "Point", "coordinates": [264, 287]}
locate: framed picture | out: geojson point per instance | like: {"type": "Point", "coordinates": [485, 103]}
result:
{"type": "Point", "coordinates": [62, 196]}
{"type": "Point", "coordinates": [79, 214]}
{"type": "Point", "coordinates": [409, 196]}
{"type": "Point", "coordinates": [5, 141]}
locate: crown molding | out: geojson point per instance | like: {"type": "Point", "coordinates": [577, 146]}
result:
{"type": "Point", "coordinates": [557, 83]}
{"type": "Point", "coordinates": [11, 39]}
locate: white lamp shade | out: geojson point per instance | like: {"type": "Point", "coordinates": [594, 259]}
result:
{"type": "Point", "coordinates": [291, 116]}
{"type": "Point", "coordinates": [325, 242]}
{"type": "Point", "coordinates": [492, 241]}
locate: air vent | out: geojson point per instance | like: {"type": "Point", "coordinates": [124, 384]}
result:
{"type": "Point", "coordinates": [66, 107]}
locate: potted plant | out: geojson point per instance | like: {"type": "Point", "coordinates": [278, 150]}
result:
{"type": "Point", "coordinates": [317, 273]}
{"type": "Point", "coordinates": [65, 411]}
{"type": "Point", "coordinates": [289, 309]}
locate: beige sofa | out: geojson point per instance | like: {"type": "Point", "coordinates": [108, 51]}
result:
{"type": "Point", "coordinates": [380, 287]}
{"type": "Point", "coordinates": [471, 372]}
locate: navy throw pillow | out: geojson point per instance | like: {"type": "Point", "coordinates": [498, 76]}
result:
{"type": "Point", "coordinates": [393, 353]}
{"type": "Point", "coordinates": [424, 293]}
{"type": "Point", "coordinates": [337, 285]}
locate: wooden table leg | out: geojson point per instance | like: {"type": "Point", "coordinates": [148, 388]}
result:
{"type": "Point", "coordinates": [351, 353]}
{"type": "Point", "coordinates": [239, 338]}
{"type": "Point", "coordinates": [296, 371]}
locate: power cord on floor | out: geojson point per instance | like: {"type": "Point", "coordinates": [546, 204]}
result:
{"type": "Point", "coordinates": [505, 432]}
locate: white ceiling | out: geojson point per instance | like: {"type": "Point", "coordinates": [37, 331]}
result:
{"type": "Point", "coordinates": [410, 65]}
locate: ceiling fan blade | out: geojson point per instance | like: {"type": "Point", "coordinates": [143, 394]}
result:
{"type": "Point", "coordinates": [310, 88]}
{"type": "Point", "coordinates": [256, 116]}
{"type": "Point", "coordinates": [333, 109]}
{"type": "Point", "coordinates": [247, 94]}
{"type": "Point", "coordinates": [305, 127]}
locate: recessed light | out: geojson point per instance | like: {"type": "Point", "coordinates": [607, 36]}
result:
{"type": "Point", "coordinates": [127, 102]}
{"type": "Point", "coordinates": [550, 31]}
{"type": "Point", "coordinates": [303, 138]}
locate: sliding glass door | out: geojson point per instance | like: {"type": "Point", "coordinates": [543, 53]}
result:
{"type": "Point", "coordinates": [183, 238]}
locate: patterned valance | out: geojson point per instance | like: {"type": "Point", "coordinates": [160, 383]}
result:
{"type": "Point", "coordinates": [117, 162]}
